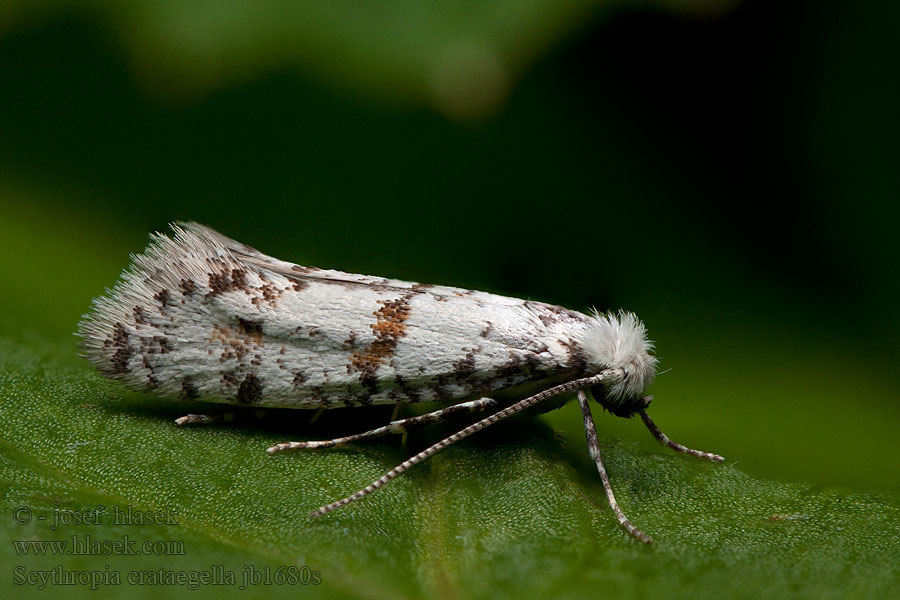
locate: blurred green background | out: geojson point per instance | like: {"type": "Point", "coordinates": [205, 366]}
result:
{"type": "Point", "coordinates": [727, 171]}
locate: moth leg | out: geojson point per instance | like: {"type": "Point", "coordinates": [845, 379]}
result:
{"type": "Point", "coordinates": [192, 419]}
{"type": "Point", "coordinates": [594, 448]}
{"type": "Point", "coordinates": [399, 426]}
{"type": "Point", "coordinates": [228, 417]}
{"type": "Point", "coordinates": [519, 406]}
{"type": "Point", "coordinates": [665, 441]}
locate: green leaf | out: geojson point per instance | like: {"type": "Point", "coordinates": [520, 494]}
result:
{"type": "Point", "coordinates": [514, 511]}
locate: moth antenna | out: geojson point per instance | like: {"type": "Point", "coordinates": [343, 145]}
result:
{"type": "Point", "coordinates": [466, 432]}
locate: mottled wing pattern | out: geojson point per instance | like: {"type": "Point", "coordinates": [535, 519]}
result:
{"type": "Point", "coordinates": [253, 257]}
{"type": "Point", "coordinates": [203, 316]}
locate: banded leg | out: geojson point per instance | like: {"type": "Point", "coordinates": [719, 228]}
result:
{"type": "Point", "coordinates": [228, 417]}
{"type": "Point", "coordinates": [594, 449]}
{"type": "Point", "coordinates": [399, 426]}
{"type": "Point", "coordinates": [192, 419]}
{"type": "Point", "coordinates": [466, 432]}
{"type": "Point", "coordinates": [665, 441]}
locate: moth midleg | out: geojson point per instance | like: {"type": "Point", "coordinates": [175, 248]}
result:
{"type": "Point", "coordinates": [398, 426]}
{"type": "Point", "coordinates": [665, 441]}
{"type": "Point", "coordinates": [519, 406]}
{"type": "Point", "coordinates": [594, 449]}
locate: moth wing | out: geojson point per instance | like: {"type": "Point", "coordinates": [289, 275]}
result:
{"type": "Point", "coordinates": [294, 272]}
{"type": "Point", "coordinates": [203, 316]}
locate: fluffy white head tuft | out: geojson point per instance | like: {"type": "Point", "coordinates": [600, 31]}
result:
{"type": "Point", "coordinates": [619, 341]}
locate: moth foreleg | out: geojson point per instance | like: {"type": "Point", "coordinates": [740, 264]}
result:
{"type": "Point", "coordinates": [665, 441]}
{"type": "Point", "coordinates": [575, 384]}
{"type": "Point", "coordinates": [398, 426]}
{"type": "Point", "coordinates": [594, 448]}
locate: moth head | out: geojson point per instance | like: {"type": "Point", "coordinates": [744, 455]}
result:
{"type": "Point", "coordinates": [617, 343]}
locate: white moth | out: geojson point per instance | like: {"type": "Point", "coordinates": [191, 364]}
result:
{"type": "Point", "coordinates": [204, 317]}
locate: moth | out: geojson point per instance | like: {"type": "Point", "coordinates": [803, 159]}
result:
{"type": "Point", "coordinates": [201, 316]}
